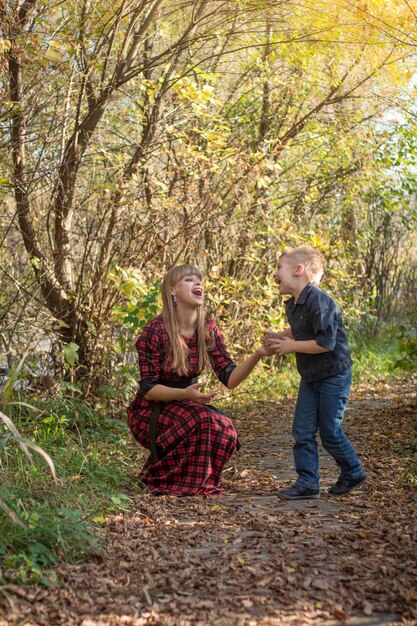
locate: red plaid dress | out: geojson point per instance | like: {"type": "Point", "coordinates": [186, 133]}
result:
{"type": "Point", "coordinates": [194, 440]}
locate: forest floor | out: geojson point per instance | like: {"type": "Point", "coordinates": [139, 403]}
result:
{"type": "Point", "coordinates": [249, 558]}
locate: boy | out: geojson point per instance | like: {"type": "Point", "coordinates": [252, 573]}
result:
{"type": "Point", "coordinates": [317, 336]}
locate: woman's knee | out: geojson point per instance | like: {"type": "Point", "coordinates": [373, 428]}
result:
{"type": "Point", "coordinates": [225, 428]}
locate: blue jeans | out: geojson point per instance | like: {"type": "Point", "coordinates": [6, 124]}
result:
{"type": "Point", "coordinates": [320, 407]}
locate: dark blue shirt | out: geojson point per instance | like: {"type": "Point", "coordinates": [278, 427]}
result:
{"type": "Point", "coordinates": [316, 315]}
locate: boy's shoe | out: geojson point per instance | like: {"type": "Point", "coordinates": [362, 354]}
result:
{"type": "Point", "coordinates": [298, 492]}
{"type": "Point", "coordinates": [345, 485]}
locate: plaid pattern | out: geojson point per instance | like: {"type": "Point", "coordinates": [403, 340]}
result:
{"type": "Point", "coordinates": [194, 440]}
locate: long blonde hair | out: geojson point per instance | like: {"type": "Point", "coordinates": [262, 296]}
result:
{"type": "Point", "coordinates": [178, 347]}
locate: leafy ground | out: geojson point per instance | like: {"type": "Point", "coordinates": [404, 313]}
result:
{"type": "Point", "coordinates": [248, 558]}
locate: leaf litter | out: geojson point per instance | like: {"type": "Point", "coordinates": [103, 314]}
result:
{"type": "Point", "coordinates": [247, 558]}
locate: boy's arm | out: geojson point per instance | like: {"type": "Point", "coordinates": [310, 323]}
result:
{"type": "Point", "coordinates": [286, 345]}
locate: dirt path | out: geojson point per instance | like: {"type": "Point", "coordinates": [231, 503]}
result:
{"type": "Point", "coordinates": [250, 559]}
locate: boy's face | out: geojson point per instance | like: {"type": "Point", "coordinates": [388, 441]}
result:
{"type": "Point", "coordinates": [285, 276]}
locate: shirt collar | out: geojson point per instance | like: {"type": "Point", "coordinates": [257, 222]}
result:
{"type": "Point", "coordinates": [303, 295]}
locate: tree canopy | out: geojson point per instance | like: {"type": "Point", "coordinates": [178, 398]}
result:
{"type": "Point", "coordinates": [146, 133]}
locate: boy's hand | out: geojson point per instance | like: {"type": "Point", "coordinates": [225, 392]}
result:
{"type": "Point", "coordinates": [270, 337]}
{"type": "Point", "coordinates": [286, 345]}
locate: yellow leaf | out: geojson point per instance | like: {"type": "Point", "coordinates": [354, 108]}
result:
{"type": "Point", "coordinates": [5, 45]}
{"type": "Point", "coordinates": [54, 52]}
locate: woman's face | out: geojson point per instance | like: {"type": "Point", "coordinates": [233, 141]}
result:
{"type": "Point", "coordinates": [189, 291]}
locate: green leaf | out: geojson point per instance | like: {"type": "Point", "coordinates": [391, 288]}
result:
{"type": "Point", "coordinates": [71, 353]}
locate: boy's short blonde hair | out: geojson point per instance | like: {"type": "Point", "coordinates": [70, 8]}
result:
{"type": "Point", "coordinates": [309, 258]}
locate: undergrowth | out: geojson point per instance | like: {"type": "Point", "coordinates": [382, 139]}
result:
{"type": "Point", "coordinates": [94, 460]}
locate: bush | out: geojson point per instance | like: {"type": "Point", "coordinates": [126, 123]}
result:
{"type": "Point", "coordinates": [407, 338]}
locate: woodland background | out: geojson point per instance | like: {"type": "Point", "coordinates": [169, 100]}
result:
{"type": "Point", "coordinates": [140, 134]}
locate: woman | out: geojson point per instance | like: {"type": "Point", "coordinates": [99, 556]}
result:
{"type": "Point", "coordinates": [190, 440]}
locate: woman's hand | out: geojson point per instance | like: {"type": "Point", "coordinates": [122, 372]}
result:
{"type": "Point", "coordinates": [265, 351]}
{"type": "Point", "coordinates": [270, 338]}
{"type": "Point", "coordinates": [270, 342]}
{"type": "Point", "coordinates": [194, 394]}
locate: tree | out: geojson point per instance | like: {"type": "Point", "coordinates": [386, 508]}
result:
{"type": "Point", "coordinates": [142, 132]}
